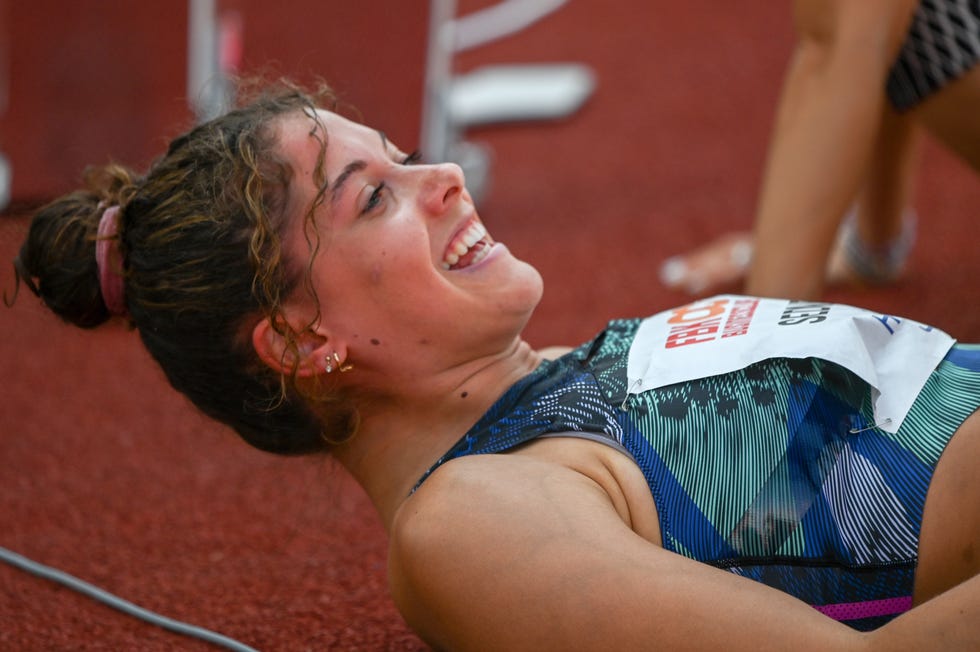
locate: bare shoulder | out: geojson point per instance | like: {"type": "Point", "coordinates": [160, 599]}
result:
{"type": "Point", "coordinates": [468, 537]}
{"type": "Point", "coordinates": [536, 481]}
{"type": "Point", "coordinates": [520, 551]}
{"type": "Point", "coordinates": [469, 494]}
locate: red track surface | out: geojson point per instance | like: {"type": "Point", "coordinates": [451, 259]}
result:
{"type": "Point", "coordinates": [109, 475]}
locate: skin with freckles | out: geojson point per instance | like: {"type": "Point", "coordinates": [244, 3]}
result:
{"type": "Point", "coordinates": [383, 231]}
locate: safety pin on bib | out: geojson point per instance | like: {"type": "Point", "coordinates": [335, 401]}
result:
{"type": "Point", "coordinates": [885, 421]}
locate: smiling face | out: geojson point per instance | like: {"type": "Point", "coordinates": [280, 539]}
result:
{"type": "Point", "coordinates": [405, 274]}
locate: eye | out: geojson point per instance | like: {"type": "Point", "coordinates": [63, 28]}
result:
{"type": "Point", "coordinates": [374, 200]}
{"type": "Point", "coordinates": [377, 195]}
{"type": "Point", "coordinates": [412, 158]}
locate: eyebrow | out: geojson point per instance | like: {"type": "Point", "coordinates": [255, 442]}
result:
{"type": "Point", "coordinates": [351, 168]}
{"type": "Point", "coordinates": [338, 185]}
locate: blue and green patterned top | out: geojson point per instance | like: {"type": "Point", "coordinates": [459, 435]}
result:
{"type": "Point", "coordinates": [774, 472]}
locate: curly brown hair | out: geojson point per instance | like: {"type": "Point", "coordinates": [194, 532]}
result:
{"type": "Point", "coordinates": [201, 241]}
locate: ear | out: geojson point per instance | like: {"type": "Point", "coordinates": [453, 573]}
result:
{"type": "Point", "coordinates": [308, 357]}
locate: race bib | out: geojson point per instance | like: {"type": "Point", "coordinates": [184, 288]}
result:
{"type": "Point", "coordinates": [725, 333]}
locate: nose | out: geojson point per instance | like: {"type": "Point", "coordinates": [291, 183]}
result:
{"type": "Point", "coordinates": [443, 185]}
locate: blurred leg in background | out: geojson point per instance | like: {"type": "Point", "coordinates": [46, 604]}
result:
{"type": "Point", "coordinates": [835, 203]}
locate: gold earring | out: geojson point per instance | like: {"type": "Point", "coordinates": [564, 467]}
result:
{"type": "Point", "coordinates": [344, 368]}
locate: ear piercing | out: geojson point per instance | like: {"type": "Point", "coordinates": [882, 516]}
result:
{"type": "Point", "coordinates": [332, 359]}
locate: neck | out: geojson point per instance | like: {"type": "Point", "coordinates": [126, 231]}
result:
{"type": "Point", "coordinates": [401, 438]}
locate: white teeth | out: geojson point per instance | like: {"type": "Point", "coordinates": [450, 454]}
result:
{"type": "Point", "coordinates": [473, 234]}
{"type": "Point", "coordinates": [480, 255]}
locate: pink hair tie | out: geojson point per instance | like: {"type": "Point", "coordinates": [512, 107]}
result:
{"type": "Point", "coordinates": [109, 261]}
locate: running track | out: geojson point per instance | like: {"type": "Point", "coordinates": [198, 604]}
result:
{"type": "Point", "coordinates": [109, 475]}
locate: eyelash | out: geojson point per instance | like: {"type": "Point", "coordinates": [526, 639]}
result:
{"type": "Point", "coordinates": [375, 197]}
{"type": "Point", "coordinates": [412, 158]}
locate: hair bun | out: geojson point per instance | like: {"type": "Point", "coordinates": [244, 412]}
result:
{"type": "Point", "coordinates": [57, 260]}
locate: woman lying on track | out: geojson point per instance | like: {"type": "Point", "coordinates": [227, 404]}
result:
{"type": "Point", "coordinates": [732, 474]}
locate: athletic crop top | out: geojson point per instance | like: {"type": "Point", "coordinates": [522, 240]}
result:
{"type": "Point", "coordinates": [775, 471]}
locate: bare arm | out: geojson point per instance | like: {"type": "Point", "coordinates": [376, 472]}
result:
{"type": "Point", "coordinates": [506, 552]}
{"type": "Point", "coordinates": [824, 137]}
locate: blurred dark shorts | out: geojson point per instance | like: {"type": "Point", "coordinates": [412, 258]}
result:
{"type": "Point", "coordinates": [943, 43]}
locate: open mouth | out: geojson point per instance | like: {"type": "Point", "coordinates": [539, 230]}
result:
{"type": "Point", "coordinates": [470, 246]}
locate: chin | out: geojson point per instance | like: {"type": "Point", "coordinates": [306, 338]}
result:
{"type": "Point", "coordinates": [528, 288]}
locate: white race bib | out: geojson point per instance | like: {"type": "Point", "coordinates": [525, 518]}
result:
{"type": "Point", "coordinates": [728, 332]}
